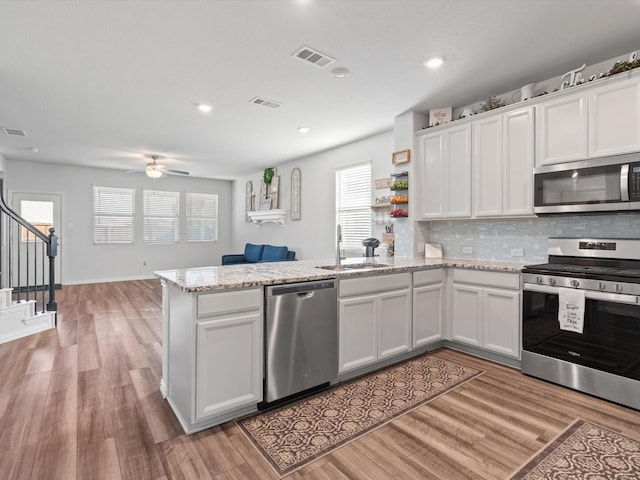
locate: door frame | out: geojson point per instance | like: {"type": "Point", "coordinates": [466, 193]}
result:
{"type": "Point", "coordinates": [60, 230]}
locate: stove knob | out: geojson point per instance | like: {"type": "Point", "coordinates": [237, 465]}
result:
{"type": "Point", "coordinates": [538, 279]}
{"type": "Point", "coordinates": [575, 283]}
{"type": "Point", "coordinates": [602, 285]}
{"type": "Point", "coordinates": [552, 281]}
{"type": "Point", "coordinates": [618, 287]}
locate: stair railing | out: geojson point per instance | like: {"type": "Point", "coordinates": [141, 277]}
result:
{"type": "Point", "coordinates": [22, 260]}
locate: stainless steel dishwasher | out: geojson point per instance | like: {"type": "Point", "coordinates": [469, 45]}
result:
{"type": "Point", "coordinates": [301, 337]}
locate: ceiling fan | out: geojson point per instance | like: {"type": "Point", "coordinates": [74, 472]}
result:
{"type": "Point", "coordinates": [157, 170]}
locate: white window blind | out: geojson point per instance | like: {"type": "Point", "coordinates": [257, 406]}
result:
{"type": "Point", "coordinates": [353, 205]}
{"type": "Point", "coordinates": [161, 216]}
{"type": "Point", "coordinates": [202, 217]}
{"type": "Point", "coordinates": [113, 210]}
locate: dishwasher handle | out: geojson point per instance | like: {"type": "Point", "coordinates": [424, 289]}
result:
{"type": "Point", "coordinates": [304, 295]}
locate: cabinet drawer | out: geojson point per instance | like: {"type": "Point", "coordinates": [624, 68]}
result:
{"type": "Point", "coordinates": [489, 279]}
{"type": "Point", "coordinates": [427, 277]}
{"type": "Point", "coordinates": [229, 302]}
{"type": "Point", "coordinates": [376, 283]}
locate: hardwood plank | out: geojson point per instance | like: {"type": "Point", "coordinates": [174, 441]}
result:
{"type": "Point", "coordinates": [99, 461]}
{"type": "Point", "coordinates": [182, 460]}
{"type": "Point", "coordinates": [64, 373]}
{"type": "Point", "coordinates": [56, 458]}
{"type": "Point", "coordinates": [88, 353]}
{"type": "Point", "coordinates": [217, 452]}
{"type": "Point", "coordinates": [41, 360]}
{"type": "Point", "coordinates": [18, 463]}
{"type": "Point", "coordinates": [23, 416]}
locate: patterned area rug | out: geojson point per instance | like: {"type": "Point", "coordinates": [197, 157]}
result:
{"type": "Point", "coordinates": [293, 435]}
{"type": "Point", "coordinates": [585, 451]}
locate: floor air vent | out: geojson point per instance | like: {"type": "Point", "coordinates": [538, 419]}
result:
{"type": "Point", "coordinates": [14, 131]}
{"type": "Point", "coordinates": [313, 56]}
{"type": "Point", "coordinates": [265, 103]}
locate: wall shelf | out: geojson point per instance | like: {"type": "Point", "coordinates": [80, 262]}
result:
{"type": "Point", "coordinates": [260, 217]}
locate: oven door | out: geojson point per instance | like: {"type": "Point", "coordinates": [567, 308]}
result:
{"type": "Point", "coordinates": [610, 341]}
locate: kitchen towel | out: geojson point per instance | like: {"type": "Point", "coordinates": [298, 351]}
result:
{"type": "Point", "coordinates": [571, 311]}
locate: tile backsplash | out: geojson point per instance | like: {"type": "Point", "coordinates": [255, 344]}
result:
{"type": "Point", "coordinates": [495, 239]}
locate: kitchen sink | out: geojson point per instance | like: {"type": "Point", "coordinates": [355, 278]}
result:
{"type": "Point", "coordinates": [354, 266]}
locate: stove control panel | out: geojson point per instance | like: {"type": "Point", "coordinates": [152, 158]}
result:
{"type": "Point", "coordinates": [595, 245]}
{"type": "Point", "coordinates": [581, 284]}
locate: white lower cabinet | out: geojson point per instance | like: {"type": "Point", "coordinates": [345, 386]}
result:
{"type": "Point", "coordinates": [485, 311]}
{"type": "Point", "coordinates": [228, 369]}
{"type": "Point", "coordinates": [214, 355]}
{"type": "Point", "coordinates": [428, 303]}
{"type": "Point", "coordinates": [374, 315]}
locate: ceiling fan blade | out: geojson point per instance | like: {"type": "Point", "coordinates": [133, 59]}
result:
{"type": "Point", "coordinates": [134, 171]}
{"type": "Point", "coordinates": [175, 172]}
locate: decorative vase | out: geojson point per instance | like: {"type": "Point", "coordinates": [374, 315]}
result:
{"type": "Point", "coordinates": [526, 92]}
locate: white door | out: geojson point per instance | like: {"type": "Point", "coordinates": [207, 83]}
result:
{"type": "Point", "coordinates": [43, 211]}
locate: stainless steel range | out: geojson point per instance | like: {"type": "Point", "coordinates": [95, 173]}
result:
{"type": "Point", "coordinates": [602, 356]}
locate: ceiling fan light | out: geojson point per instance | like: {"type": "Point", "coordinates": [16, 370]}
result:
{"type": "Point", "coordinates": [153, 173]}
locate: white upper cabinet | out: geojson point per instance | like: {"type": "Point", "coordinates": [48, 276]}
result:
{"type": "Point", "coordinates": [563, 125]}
{"type": "Point", "coordinates": [614, 118]}
{"type": "Point", "coordinates": [503, 164]}
{"type": "Point", "coordinates": [432, 175]}
{"type": "Point", "coordinates": [445, 173]}
{"type": "Point", "coordinates": [487, 167]}
{"type": "Point", "coordinates": [517, 162]}
{"type": "Point", "coordinates": [457, 149]}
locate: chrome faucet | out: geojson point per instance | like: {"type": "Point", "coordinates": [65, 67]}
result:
{"type": "Point", "coordinates": [338, 240]}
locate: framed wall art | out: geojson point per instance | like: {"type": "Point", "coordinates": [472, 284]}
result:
{"type": "Point", "coordinates": [402, 156]}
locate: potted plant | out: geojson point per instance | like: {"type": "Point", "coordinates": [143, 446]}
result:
{"type": "Point", "coordinates": [267, 176]}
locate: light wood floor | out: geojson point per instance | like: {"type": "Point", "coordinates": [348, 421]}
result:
{"type": "Point", "coordinates": [82, 401]}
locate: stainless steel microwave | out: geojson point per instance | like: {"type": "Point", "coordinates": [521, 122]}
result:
{"type": "Point", "coordinates": [599, 185]}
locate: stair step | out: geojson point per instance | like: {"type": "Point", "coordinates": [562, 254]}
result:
{"type": "Point", "coordinates": [20, 320]}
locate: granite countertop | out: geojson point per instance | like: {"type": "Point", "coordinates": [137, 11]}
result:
{"type": "Point", "coordinates": [204, 279]}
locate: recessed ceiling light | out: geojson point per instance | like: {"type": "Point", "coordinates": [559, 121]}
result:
{"type": "Point", "coordinates": [204, 107]}
{"type": "Point", "coordinates": [340, 72]}
{"type": "Point", "coordinates": [434, 62]}
{"type": "Point", "coordinates": [303, 130]}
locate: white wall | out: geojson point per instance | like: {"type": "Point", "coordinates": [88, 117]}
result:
{"type": "Point", "coordinates": [84, 262]}
{"type": "Point", "coordinates": [313, 236]}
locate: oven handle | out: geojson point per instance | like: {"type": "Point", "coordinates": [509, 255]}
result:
{"type": "Point", "coordinates": [624, 182]}
{"type": "Point", "coordinates": [590, 294]}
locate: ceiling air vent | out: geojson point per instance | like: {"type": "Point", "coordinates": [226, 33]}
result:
{"type": "Point", "coordinates": [313, 56]}
{"type": "Point", "coordinates": [14, 131]}
{"type": "Point", "coordinates": [265, 103]}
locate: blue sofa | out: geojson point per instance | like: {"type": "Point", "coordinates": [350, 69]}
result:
{"type": "Point", "coordinates": [259, 254]}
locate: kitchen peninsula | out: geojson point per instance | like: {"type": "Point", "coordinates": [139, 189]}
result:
{"type": "Point", "coordinates": [213, 320]}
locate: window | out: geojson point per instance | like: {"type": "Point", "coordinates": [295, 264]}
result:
{"type": "Point", "coordinates": [202, 217]}
{"type": "Point", "coordinates": [353, 205]}
{"type": "Point", "coordinates": [39, 215]}
{"type": "Point", "coordinates": [161, 216]}
{"type": "Point", "coordinates": [113, 210]}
